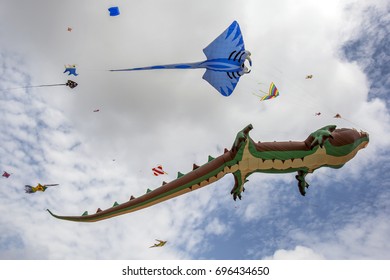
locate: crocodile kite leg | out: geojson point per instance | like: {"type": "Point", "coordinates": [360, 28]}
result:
{"type": "Point", "coordinates": [302, 184]}
{"type": "Point", "coordinates": [241, 139]}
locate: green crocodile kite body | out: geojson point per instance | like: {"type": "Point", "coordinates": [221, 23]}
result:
{"type": "Point", "coordinates": [326, 147]}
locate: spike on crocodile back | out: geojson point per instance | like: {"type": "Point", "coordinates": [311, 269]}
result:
{"type": "Point", "coordinates": [194, 166]}
{"type": "Point", "coordinates": [210, 158]}
{"type": "Point", "coordinates": [179, 175]}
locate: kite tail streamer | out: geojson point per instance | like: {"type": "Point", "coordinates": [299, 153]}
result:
{"type": "Point", "coordinates": [191, 65]}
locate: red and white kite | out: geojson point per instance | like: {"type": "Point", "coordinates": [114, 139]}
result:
{"type": "Point", "coordinates": [158, 171]}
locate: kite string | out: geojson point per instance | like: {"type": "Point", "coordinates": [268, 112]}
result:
{"type": "Point", "coordinates": [53, 85]}
{"type": "Point", "coordinates": [328, 111]}
{"type": "Point", "coordinates": [308, 99]}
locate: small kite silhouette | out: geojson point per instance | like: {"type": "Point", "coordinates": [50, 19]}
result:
{"type": "Point", "coordinates": [158, 170]}
{"type": "Point", "coordinates": [273, 92]}
{"type": "Point", "coordinates": [114, 11]}
{"type": "Point", "coordinates": [6, 174]}
{"type": "Point", "coordinates": [39, 187]}
{"type": "Point", "coordinates": [160, 243]}
{"type": "Point", "coordinates": [71, 69]}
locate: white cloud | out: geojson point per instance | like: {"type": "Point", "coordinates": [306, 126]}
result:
{"type": "Point", "coordinates": [216, 227]}
{"type": "Point", "coordinates": [298, 253]}
{"type": "Point", "coordinates": [350, 233]}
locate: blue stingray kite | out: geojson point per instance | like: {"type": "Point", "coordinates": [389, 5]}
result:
{"type": "Point", "coordinates": [225, 63]}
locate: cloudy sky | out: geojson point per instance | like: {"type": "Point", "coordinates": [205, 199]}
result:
{"type": "Point", "coordinates": [174, 118]}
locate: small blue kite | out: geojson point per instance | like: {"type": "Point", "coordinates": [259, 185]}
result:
{"type": "Point", "coordinates": [71, 69]}
{"type": "Point", "coordinates": [225, 64]}
{"type": "Point", "coordinates": [114, 11]}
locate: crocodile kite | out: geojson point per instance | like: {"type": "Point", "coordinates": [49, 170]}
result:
{"type": "Point", "coordinates": [326, 147]}
{"type": "Point", "coordinates": [225, 64]}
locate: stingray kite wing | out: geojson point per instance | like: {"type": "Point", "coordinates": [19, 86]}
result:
{"type": "Point", "coordinates": [229, 43]}
{"type": "Point", "coordinates": [221, 81]}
